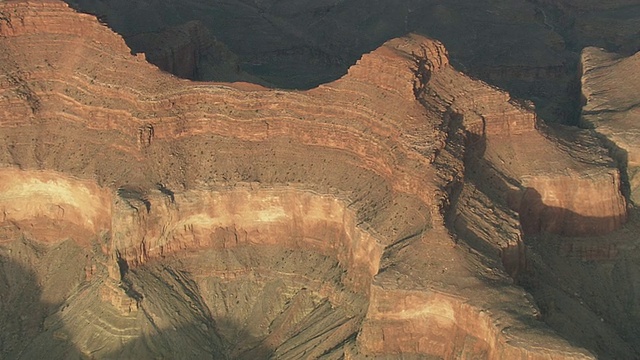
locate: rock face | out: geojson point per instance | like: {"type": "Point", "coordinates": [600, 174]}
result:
{"type": "Point", "coordinates": [577, 193]}
{"type": "Point", "coordinates": [190, 51]}
{"type": "Point", "coordinates": [376, 215]}
{"type": "Point", "coordinates": [609, 88]}
{"type": "Point", "coordinates": [529, 47]}
{"type": "Point", "coordinates": [300, 44]}
{"type": "Point", "coordinates": [610, 24]}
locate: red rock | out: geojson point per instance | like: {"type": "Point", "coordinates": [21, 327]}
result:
{"type": "Point", "coordinates": [203, 194]}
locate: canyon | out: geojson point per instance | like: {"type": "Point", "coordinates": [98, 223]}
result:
{"type": "Point", "coordinates": [404, 209]}
{"type": "Point", "coordinates": [529, 47]}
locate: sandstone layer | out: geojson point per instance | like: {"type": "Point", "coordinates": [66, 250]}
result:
{"type": "Point", "coordinates": [377, 215]}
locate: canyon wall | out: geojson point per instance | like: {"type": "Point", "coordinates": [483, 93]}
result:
{"type": "Point", "coordinates": [575, 194]}
{"type": "Point", "coordinates": [609, 90]}
{"type": "Point", "coordinates": [300, 45]}
{"type": "Point", "coordinates": [325, 222]}
{"type": "Point", "coordinates": [226, 219]}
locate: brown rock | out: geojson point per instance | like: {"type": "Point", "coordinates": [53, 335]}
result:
{"type": "Point", "coordinates": [609, 89]}
{"type": "Point", "coordinates": [243, 222]}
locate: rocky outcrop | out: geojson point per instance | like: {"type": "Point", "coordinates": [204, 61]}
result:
{"type": "Point", "coordinates": [575, 194]}
{"type": "Point", "coordinates": [229, 219]}
{"type": "Point", "coordinates": [274, 223]}
{"type": "Point", "coordinates": [573, 205]}
{"type": "Point", "coordinates": [609, 90]}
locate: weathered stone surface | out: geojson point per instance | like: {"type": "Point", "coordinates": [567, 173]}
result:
{"type": "Point", "coordinates": [529, 47]}
{"type": "Point", "coordinates": [230, 220]}
{"type": "Point", "coordinates": [610, 89]}
{"type": "Point", "coordinates": [558, 180]}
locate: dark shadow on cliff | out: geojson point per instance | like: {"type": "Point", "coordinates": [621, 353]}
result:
{"type": "Point", "coordinates": [621, 156]}
{"type": "Point", "coordinates": [524, 204]}
{"type": "Point", "coordinates": [186, 315]}
{"type": "Point", "coordinates": [528, 48]}
{"type": "Point", "coordinates": [594, 325]}
{"type": "Point", "coordinates": [249, 45]}
{"type": "Point", "coordinates": [23, 312]}
{"type": "Point", "coordinates": [176, 320]}
{"type": "Point", "coordinates": [33, 328]}
{"type": "Point", "coordinates": [545, 269]}
{"type": "Point", "coordinates": [537, 217]}
{"type": "Point", "coordinates": [588, 138]}
{"type": "Point", "coordinates": [586, 289]}
{"type": "Point", "coordinates": [165, 343]}
{"type": "Point", "coordinates": [483, 190]}
{"type": "Point", "coordinates": [20, 319]}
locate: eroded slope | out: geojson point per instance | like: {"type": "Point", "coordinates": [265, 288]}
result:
{"type": "Point", "coordinates": [229, 220]}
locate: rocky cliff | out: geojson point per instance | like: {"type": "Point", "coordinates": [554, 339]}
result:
{"type": "Point", "coordinates": [612, 108]}
{"type": "Point", "coordinates": [376, 215]}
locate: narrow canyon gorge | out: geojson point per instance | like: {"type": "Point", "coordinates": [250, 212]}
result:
{"type": "Point", "coordinates": [170, 191]}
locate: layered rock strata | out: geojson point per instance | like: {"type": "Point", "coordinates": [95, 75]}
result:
{"type": "Point", "coordinates": [300, 45]}
{"type": "Point", "coordinates": [559, 180]}
{"type": "Point", "coordinates": [609, 88]}
{"type": "Point", "coordinates": [230, 220]}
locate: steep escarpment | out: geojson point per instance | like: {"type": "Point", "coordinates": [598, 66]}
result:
{"type": "Point", "coordinates": [585, 288]}
{"type": "Point", "coordinates": [300, 45]}
{"type": "Point", "coordinates": [234, 221]}
{"type": "Point", "coordinates": [509, 159]}
{"type": "Point", "coordinates": [529, 47]}
{"type": "Point", "coordinates": [611, 108]}
{"type": "Point", "coordinates": [599, 299]}
{"type": "Point", "coordinates": [524, 181]}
